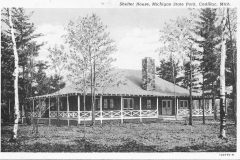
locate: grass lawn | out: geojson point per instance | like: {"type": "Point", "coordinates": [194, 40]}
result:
{"type": "Point", "coordinates": [128, 137]}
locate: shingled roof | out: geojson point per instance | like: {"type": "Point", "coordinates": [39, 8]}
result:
{"type": "Point", "coordinates": [132, 87]}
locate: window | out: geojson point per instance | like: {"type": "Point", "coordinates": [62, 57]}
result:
{"type": "Point", "coordinates": [111, 103]}
{"type": "Point", "coordinates": [128, 103]}
{"type": "Point", "coordinates": [148, 103]}
{"type": "Point", "coordinates": [105, 103]}
{"type": "Point", "coordinates": [97, 104]}
{"type": "Point", "coordinates": [166, 103]}
{"type": "Point", "coordinates": [183, 104]}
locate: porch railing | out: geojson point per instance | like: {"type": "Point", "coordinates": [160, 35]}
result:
{"type": "Point", "coordinates": [183, 112]}
{"type": "Point", "coordinates": [113, 114]}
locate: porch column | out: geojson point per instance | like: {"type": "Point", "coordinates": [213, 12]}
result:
{"type": "Point", "coordinates": [49, 106]}
{"type": "Point", "coordinates": [121, 109]}
{"type": "Point", "coordinates": [199, 104]}
{"type": "Point", "coordinates": [157, 108]}
{"type": "Point", "coordinates": [78, 109]}
{"type": "Point", "coordinates": [140, 104]}
{"type": "Point", "coordinates": [57, 99]}
{"type": "Point", "coordinates": [225, 105]}
{"type": "Point", "coordinates": [101, 108]}
{"type": "Point", "coordinates": [68, 110]}
{"type": "Point", "coordinates": [177, 107]}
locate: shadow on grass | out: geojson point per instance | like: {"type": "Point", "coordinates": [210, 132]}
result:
{"type": "Point", "coordinates": [83, 145]}
{"type": "Point", "coordinates": [6, 132]}
{"type": "Point", "coordinates": [202, 148]}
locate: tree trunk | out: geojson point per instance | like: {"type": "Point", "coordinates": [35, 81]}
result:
{"type": "Point", "coordinates": [203, 99]}
{"type": "Point", "coordinates": [37, 124]}
{"type": "Point", "coordinates": [190, 91]}
{"type": "Point", "coordinates": [92, 105]}
{"type": "Point", "coordinates": [222, 82]}
{"type": "Point", "coordinates": [92, 89]}
{"type": "Point", "coordinates": [58, 120]}
{"type": "Point", "coordinates": [84, 99]}
{"type": "Point", "coordinates": [174, 81]}
{"type": "Point", "coordinates": [213, 102]}
{"type": "Point", "coordinates": [84, 106]}
{"type": "Point", "coordinates": [235, 86]}
{"type": "Point", "coordinates": [233, 68]}
{"type": "Point", "coordinates": [9, 111]}
{"type": "Point", "coordinates": [16, 106]}
{"type": "Point", "coordinates": [235, 104]}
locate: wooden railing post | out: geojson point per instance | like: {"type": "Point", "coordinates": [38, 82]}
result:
{"type": "Point", "coordinates": [177, 107]}
{"type": "Point", "coordinates": [78, 109]}
{"type": "Point", "coordinates": [121, 109]}
{"type": "Point", "coordinates": [101, 109]}
{"type": "Point", "coordinates": [68, 109]}
{"type": "Point", "coordinates": [49, 115]}
{"type": "Point", "coordinates": [140, 104]}
{"type": "Point", "coordinates": [157, 108]}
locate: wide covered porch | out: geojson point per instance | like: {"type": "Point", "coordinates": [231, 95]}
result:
{"type": "Point", "coordinates": [70, 107]}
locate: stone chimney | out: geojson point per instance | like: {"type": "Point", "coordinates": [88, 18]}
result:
{"type": "Point", "coordinates": [148, 74]}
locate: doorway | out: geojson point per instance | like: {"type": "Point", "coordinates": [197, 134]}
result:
{"type": "Point", "coordinates": [166, 107]}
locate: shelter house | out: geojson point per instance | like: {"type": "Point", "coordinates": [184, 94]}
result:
{"type": "Point", "coordinates": [142, 96]}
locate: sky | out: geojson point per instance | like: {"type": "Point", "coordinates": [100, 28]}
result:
{"type": "Point", "coordinates": [135, 30]}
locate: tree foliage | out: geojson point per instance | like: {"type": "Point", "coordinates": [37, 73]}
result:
{"type": "Point", "coordinates": [209, 31]}
{"type": "Point", "coordinates": [32, 74]}
{"type": "Point", "coordinates": [24, 36]}
{"type": "Point", "coordinates": [90, 58]}
{"type": "Point", "coordinates": [165, 69]}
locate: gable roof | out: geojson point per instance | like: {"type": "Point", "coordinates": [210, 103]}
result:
{"type": "Point", "coordinates": [132, 87]}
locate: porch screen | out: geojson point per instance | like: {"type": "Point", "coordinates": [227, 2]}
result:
{"type": "Point", "coordinates": [128, 103]}
{"type": "Point", "coordinates": [97, 104]}
{"type": "Point", "coordinates": [105, 103]}
{"type": "Point", "coordinates": [148, 103]}
{"type": "Point", "coordinates": [111, 103]}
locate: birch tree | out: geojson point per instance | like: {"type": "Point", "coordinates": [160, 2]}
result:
{"type": "Point", "coordinates": [222, 78]}
{"type": "Point", "coordinates": [16, 106]}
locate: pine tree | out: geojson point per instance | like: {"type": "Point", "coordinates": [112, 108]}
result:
{"type": "Point", "coordinates": [24, 36]}
{"type": "Point", "coordinates": [165, 70]}
{"type": "Point", "coordinates": [209, 32]}
{"type": "Point", "coordinates": [7, 79]}
{"type": "Point", "coordinates": [184, 80]}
